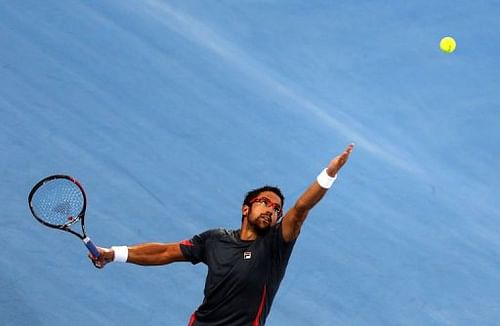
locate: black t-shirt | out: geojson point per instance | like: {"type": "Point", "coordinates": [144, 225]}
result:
{"type": "Point", "coordinates": [243, 276]}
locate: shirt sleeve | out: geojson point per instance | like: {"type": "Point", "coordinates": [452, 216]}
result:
{"type": "Point", "coordinates": [194, 249]}
{"type": "Point", "coordinates": [282, 248]}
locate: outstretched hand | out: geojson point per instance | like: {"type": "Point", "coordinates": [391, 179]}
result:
{"type": "Point", "coordinates": [338, 162]}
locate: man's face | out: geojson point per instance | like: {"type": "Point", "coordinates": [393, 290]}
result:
{"type": "Point", "coordinates": [264, 211]}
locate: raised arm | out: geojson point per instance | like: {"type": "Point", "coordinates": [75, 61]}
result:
{"type": "Point", "coordinates": [295, 217]}
{"type": "Point", "coordinates": [147, 254]}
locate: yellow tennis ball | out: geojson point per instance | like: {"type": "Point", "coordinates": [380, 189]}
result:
{"type": "Point", "coordinates": [448, 44]}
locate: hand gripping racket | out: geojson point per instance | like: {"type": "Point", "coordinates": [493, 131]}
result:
{"type": "Point", "coordinates": [59, 201]}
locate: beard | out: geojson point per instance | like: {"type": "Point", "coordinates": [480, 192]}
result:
{"type": "Point", "coordinates": [261, 224]}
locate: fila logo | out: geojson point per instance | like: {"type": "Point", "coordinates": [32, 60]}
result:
{"type": "Point", "coordinates": [247, 255]}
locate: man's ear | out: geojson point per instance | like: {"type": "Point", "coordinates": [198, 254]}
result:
{"type": "Point", "coordinates": [244, 210]}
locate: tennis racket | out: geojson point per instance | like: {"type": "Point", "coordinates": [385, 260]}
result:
{"type": "Point", "coordinates": [59, 201]}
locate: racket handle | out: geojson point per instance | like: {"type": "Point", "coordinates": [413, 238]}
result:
{"type": "Point", "coordinates": [91, 247]}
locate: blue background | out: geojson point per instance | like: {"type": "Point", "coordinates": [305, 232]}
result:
{"type": "Point", "coordinates": [169, 111]}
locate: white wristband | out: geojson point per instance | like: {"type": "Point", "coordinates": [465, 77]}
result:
{"type": "Point", "coordinates": [121, 254]}
{"type": "Point", "coordinates": [324, 180]}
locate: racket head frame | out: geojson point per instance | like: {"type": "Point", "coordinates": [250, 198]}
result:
{"type": "Point", "coordinates": [66, 226]}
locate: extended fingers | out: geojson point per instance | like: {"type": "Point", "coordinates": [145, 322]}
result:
{"type": "Point", "coordinates": [349, 148]}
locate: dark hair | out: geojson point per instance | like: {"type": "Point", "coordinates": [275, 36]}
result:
{"type": "Point", "coordinates": [252, 194]}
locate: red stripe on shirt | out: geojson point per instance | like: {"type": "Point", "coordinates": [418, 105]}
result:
{"type": "Point", "coordinates": [192, 320]}
{"type": "Point", "coordinates": [186, 243]}
{"type": "Point", "coordinates": [261, 308]}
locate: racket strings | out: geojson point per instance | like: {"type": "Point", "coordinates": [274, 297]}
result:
{"type": "Point", "coordinates": [58, 202]}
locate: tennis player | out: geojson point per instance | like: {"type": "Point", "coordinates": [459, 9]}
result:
{"type": "Point", "coordinates": [245, 266]}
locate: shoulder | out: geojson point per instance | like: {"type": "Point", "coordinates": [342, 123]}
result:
{"type": "Point", "coordinates": [277, 234]}
{"type": "Point", "coordinates": [277, 227]}
{"type": "Point", "coordinates": [217, 233]}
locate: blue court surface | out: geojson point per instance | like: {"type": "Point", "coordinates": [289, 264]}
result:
{"type": "Point", "coordinates": [168, 112]}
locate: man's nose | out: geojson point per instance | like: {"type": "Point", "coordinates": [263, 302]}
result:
{"type": "Point", "coordinates": [270, 209]}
